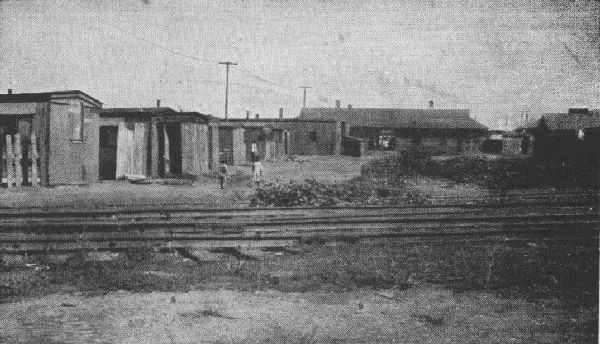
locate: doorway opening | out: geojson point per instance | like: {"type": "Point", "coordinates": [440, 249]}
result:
{"type": "Point", "coordinates": [169, 149]}
{"type": "Point", "coordinates": [108, 152]}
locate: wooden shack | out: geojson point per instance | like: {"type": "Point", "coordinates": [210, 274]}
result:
{"type": "Point", "coordinates": [156, 142]}
{"type": "Point", "coordinates": [270, 138]}
{"type": "Point", "coordinates": [49, 138]}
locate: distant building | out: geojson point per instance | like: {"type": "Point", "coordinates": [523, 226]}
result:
{"type": "Point", "coordinates": [569, 139]}
{"type": "Point", "coordinates": [272, 137]}
{"type": "Point", "coordinates": [508, 143]}
{"type": "Point", "coordinates": [65, 125]}
{"type": "Point", "coordinates": [435, 130]}
{"type": "Point", "coordinates": [156, 142]}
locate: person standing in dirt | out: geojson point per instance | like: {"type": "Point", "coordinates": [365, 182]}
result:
{"type": "Point", "coordinates": [223, 174]}
{"type": "Point", "coordinates": [257, 168]}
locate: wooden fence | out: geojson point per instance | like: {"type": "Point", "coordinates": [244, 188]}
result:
{"type": "Point", "coordinates": [19, 164]}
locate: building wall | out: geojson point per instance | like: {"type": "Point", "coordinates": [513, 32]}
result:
{"type": "Point", "coordinates": [194, 151]}
{"type": "Point", "coordinates": [511, 146]}
{"type": "Point", "coordinates": [437, 141]}
{"type": "Point", "coordinates": [70, 160]}
{"type": "Point", "coordinates": [213, 137]}
{"type": "Point", "coordinates": [132, 148]}
{"type": "Point", "coordinates": [239, 147]}
{"type": "Point", "coordinates": [306, 137]}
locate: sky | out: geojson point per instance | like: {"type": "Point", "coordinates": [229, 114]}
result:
{"type": "Point", "coordinates": [498, 58]}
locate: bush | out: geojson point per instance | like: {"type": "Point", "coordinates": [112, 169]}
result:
{"type": "Point", "coordinates": [319, 194]}
{"type": "Point", "coordinates": [496, 174]}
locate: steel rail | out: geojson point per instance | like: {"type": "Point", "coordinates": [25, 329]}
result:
{"type": "Point", "coordinates": [174, 209]}
{"type": "Point", "coordinates": [273, 230]}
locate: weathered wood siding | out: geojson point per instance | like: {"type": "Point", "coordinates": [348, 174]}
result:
{"type": "Point", "coordinates": [194, 150]}
{"type": "Point", "coordinates": [72, 161]}
{"type": "Point", "coordinates": [132, 149]}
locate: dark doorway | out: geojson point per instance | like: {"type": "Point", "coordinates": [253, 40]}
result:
{"type": "Point", "coordinates": [226, 145]}
{"type": "Point", "coordinates": [286, 143]}
{"type": "Point", "coordinates": [169, 149]}
{"type": "Point", "coordinates": [108, 152]}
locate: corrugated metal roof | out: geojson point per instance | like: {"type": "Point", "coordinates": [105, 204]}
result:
{"type": "Point", "coordinates": [397, 118]}
{"type": "Point", "coordinates": [566, 121]}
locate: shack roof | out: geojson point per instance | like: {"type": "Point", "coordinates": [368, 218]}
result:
{"type": "Point", "coordinates": [153, 112]}
{"type": "Point", "coordinates": [571, 121]}
{"type": "Point", "coordinates": [277, 120]}
{"type": "Point", "coordinates": [397, 118]}
{"type": "Point", "coordinates": [47, 96]}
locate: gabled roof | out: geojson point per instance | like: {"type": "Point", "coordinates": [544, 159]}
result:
{"type": "Point", "coordinates": [47, 96]}
{"type": "Point", "coordinates": [568, 121]}
{"type": "Point", "coordinates": [397, 118]}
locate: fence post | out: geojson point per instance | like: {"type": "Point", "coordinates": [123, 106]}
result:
{"type": "Point", "coordinates": [34, 161]}
{"type": "Point", "coordinates": [18, 161]}
{"type": "Point", "coordinates": [10, 169]}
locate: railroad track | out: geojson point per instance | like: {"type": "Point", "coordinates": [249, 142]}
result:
{"type": "Point", "coordinates": [191, 226]}
{"type": "Point", "coordinates": [491, 197]}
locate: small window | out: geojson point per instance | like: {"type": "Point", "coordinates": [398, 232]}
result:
{"type": "Point", "coordinates": [76, 119]}
{"type": "Point", "coordinates": [312, 136]}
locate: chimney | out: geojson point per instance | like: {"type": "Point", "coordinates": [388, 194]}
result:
{"type": "Point", "coordinates": [247, 114]}
{"type": "Point", "coordinates": [158, 103]}
{"type": "Point", "coordinates": [431, 104]}
{"type": "Point", "coordinates": [257, 116]}
{"type": "Point", "coordinates": [280, 113]}
{"type": "Point", "coordinates": [349, 106]}
{"type": "Point", "coordinates": [10, 91]}
{"type": "Point", "coordinates": [338, 104]}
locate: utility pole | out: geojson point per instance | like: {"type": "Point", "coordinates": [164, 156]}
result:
{"type": "Point", "coordinates": [304, 100]}
{"type": "Point", "coordinates": [227, 64]}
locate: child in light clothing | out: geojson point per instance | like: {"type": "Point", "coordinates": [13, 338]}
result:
{"type": "Point", "coordinates": [258, 172]}
{"type": "Point", "coordinates": [223, 174]}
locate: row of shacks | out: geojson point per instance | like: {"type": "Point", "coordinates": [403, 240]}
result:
{"type": "Point", "coordinates": [68, 138]}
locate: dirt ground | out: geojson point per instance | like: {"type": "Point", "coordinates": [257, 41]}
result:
{"type": "Point", "coordinates": [204, 191]}
{"type": "Point", "coordinates": [423, 314]}
{"type": "Point", "coordinates": [103, 299]}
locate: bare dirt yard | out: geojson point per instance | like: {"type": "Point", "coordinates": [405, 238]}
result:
{"type": "Point", "coordinates": [205, 190]}
{"type": "Point", "coordinates": [536, 291]}
{"type": "Point", "coordinates": [423, 314]}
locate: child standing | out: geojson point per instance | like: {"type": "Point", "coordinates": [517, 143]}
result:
{"type": "Point", "coordinates": [223, 174]}
{"type": "Point", "coordinates": [258, 172]}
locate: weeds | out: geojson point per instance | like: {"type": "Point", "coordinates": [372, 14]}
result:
{"type": "Point", "coordinates": [357, 191]}
{"type": "Point", "coordinates": [503, 173]}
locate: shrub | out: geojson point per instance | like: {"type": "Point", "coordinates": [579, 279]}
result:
{"type": "Point", "coordinates": [496, 174]}
{"type": "Point", "coordinates": [319, 194]}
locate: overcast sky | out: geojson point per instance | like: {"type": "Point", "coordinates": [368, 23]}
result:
{"type": "Point", "coordinates": [496, 58]}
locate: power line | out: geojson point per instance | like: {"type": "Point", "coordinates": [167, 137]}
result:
{"type": "Point", "coordinates": [242, 69]}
